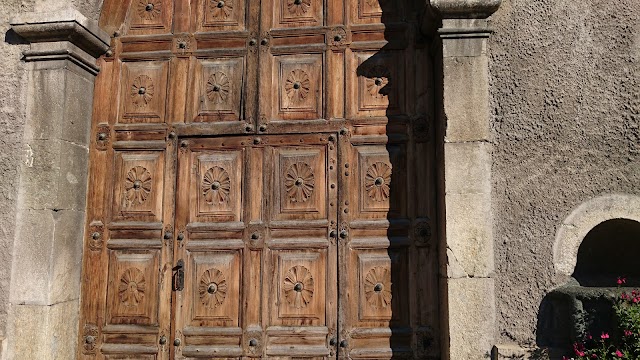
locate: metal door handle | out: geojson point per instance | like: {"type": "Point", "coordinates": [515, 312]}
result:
{"type": "Point", "coordinates": [178, 276]}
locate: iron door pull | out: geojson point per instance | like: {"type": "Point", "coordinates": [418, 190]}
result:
{"type": "Point", "coordinates": [178, 276]}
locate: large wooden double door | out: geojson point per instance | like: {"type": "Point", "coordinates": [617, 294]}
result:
{"type": "Point", "coordinates": [262, 183]}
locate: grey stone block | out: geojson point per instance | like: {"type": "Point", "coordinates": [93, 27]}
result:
{"type": "Point", "coordinates": [466, 99]}
{"type": "Point", "coordinates": [471, 318]}
{"type": "Point", "coordinates": [467, 168]}
{"type": "Point", "coordinates": [469, 229]}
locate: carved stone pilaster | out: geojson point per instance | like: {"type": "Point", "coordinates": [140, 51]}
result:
{"type": "Point", "coordinates": [464, 147]}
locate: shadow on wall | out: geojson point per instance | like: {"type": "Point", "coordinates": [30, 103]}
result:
{"type": "Point", "coordinates": [387, 70]}
{"type": "Point", "coordinates": [610, 250]}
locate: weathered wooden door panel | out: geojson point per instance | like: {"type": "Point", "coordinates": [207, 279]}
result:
{"type": "Point", "coordinates": [253, 226]}
{"type": "Point", "coordinates": [262, 184]}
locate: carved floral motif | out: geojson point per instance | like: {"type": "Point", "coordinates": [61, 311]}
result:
{"type": "Point", "coordinates": [297, 85]}
{"type": "Point", "coordinates": [221, 9]}
{"type": "Point", "coordinates": [132, 287]}
{"type": "Point", "coordinates": [137, 186]}
{"type": "Point", "coordinates": [299, 182]}
{"type": "Point", "coordinates": [377, 181]}
{"type": "Point", "coordinates": [90, 336]}
{"type": "Point", "coordinates": [216, 186]}
{"type": "Point", "coordinates": [377, 287]}
{"type": "Point", "coordinates": [212, 288]}
{"type": "Point", "coordinates": [298, 7]}
{"type": "Point", "coordinates": [218, 87]}
{"type": "Point", "coordinates": [149, 9]}
{"type": "Point", "coordinates": [376, 81]}
{"type": "Point", "coordinates": [142, 90]}
{"type": "Point", "coordinates": [298, 286]}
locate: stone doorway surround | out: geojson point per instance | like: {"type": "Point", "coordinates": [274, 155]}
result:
{"type": "Point", "coordinates": [45, 276]}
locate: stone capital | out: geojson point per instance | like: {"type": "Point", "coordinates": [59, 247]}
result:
{"type": "Point", "coordinates": [465, 9]}
{"type": "Point", "coordinates": [62, 35]}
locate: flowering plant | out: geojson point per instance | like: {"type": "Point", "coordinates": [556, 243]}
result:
{"type": "Point", "coordinates": [626, 345]}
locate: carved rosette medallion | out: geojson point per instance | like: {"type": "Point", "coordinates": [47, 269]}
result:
{"type": "Point", "coordinates": [142, 90]}
{"type": "Point", "coordinates": [218, 88]}
{"type": "Point", "coordinates": [421, 129]}
{"type": "Point", "coordinates": [298, 7]}
{"type": "Point", "coordinates": [423, 233]}
{"type": "Point", "coordinates": [221, 9]}
{"type": "Point", "coordinates": [132, 287]}
{"type": "Point", "coordinates": [377, 287]}
{"type": "Point", "coordinates": [377, 79]}
{"type": "Point", "coordinates": [90, 337]}
{"type": "Point", "coordinates": [137, 186]}
{"type": "Point", "coordinates": [96, 233]}
{"type": "Point", "coordinates": [298, 286]}
{"type": "Point", "coordinates": [149, 9]}
{"type": "Point", "coordinates": [337, 36]}
{"type": "Point", "coordinates": [212, 288]}
{"type": "Point", "coordinates": [299, 182]}
{"type": "Point", "coordinates": [183, 44]}
{"type": "Point", "coordinates": [297, 86]}
{"type": "Point", "coordinates": [377, 181]}
{"type": "Point", "coordinates": [216, 186]}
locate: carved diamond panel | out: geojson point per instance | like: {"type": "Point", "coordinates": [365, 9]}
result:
{"type": "Point", "coordinates": [138, 187]}
{"type": "Point", "coordinates": [298, 13]}
{"type": "Point", "coordinates": [300, 284]}
{"type": "Point", "coordinates": [299, 87]}
{"type": "Point", "coordinates": [300, 184]}
{"type": "Point", "coordinates": [218, 88]}
{"type": "Point", "coordinates": [219, 15]}
{"type": "Point", "coordinates": [143, 93]}
{"type": "Point", "coordinates": [133, 296]}
{"type": "Point", "coordinates": [215, 288]}
{"type": "Point", "coordinates": [377, 84]}
{"type": "Point", "coordinates": [381, 181]}
{"type": "Point", "coordinates": [218, 184]}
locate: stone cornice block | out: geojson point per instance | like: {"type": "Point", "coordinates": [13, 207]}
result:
{"type": "Point", "coordinates": [67, 25]}
{"type": "Point", "coordinates": [465, 9]}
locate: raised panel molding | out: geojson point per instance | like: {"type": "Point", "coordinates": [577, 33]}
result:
{"type": "Point", "coordinates": [133, 299]}
{"type": "Point", "coordinates": [299, 91]}
{"type": "Point", "coordinates": [143, 92]}
{"type": "Point", "coordinates": [218, 86]}
{"type": "Point", "coordinates": [138, 186]}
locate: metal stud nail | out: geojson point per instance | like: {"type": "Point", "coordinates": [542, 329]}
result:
{"type": "Point", "coordinates": [253, 342]}
{"type": "Point", "coordinates": [344, 234]}
{"type": "Point", "coordinates": [180, 237]}
{"type": "Point", "coordinates": [263, 128]}
{"type": "Point", "coordinates": [163, 340]}
{"type": "Point", "coordinates": [253, 42]}
{"type": "Point", "coordinates": [177, 342]}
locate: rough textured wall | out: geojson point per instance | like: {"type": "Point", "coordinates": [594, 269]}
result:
{"type": "Point", "coordinates": [565, 88]}
{"type": "Point", "coordinates": [13, 82]}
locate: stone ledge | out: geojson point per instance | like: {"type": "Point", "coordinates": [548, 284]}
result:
{"type": "Point", "coordinates": [466, 9]}
{"type": "Point", "coordinates": [62, 35]}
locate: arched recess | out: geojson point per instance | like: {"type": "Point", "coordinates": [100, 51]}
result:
{"type": "Point", "coordinates": [584, 218]}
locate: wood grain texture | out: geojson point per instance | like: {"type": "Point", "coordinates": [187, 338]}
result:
{"type": "Point", "coordinates": [283, 152]}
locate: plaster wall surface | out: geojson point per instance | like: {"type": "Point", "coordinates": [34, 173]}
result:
{"type": "Point", "coordinates": [565, 102]}
{"type": "Point", "coordinates": [13, 106]}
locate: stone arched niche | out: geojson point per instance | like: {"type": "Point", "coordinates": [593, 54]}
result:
{"type": "Point", "coordinates": [587, 223]}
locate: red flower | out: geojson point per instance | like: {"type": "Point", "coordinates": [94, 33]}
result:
{"type": "Point", "coordinates": [628, 333]}
{"type": "Point", "coordinates": [619, 354]}
{"type": "Point", "coordinates": [621, 280]}
{"type": "Point", "coordinates": [604, 336]}
{"type": "Point", "coordinates": [624, 296]}
{"type": "Point", "coordinates": [594, 356]}
{"type": "Point", "coordinates": [578, 348]}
